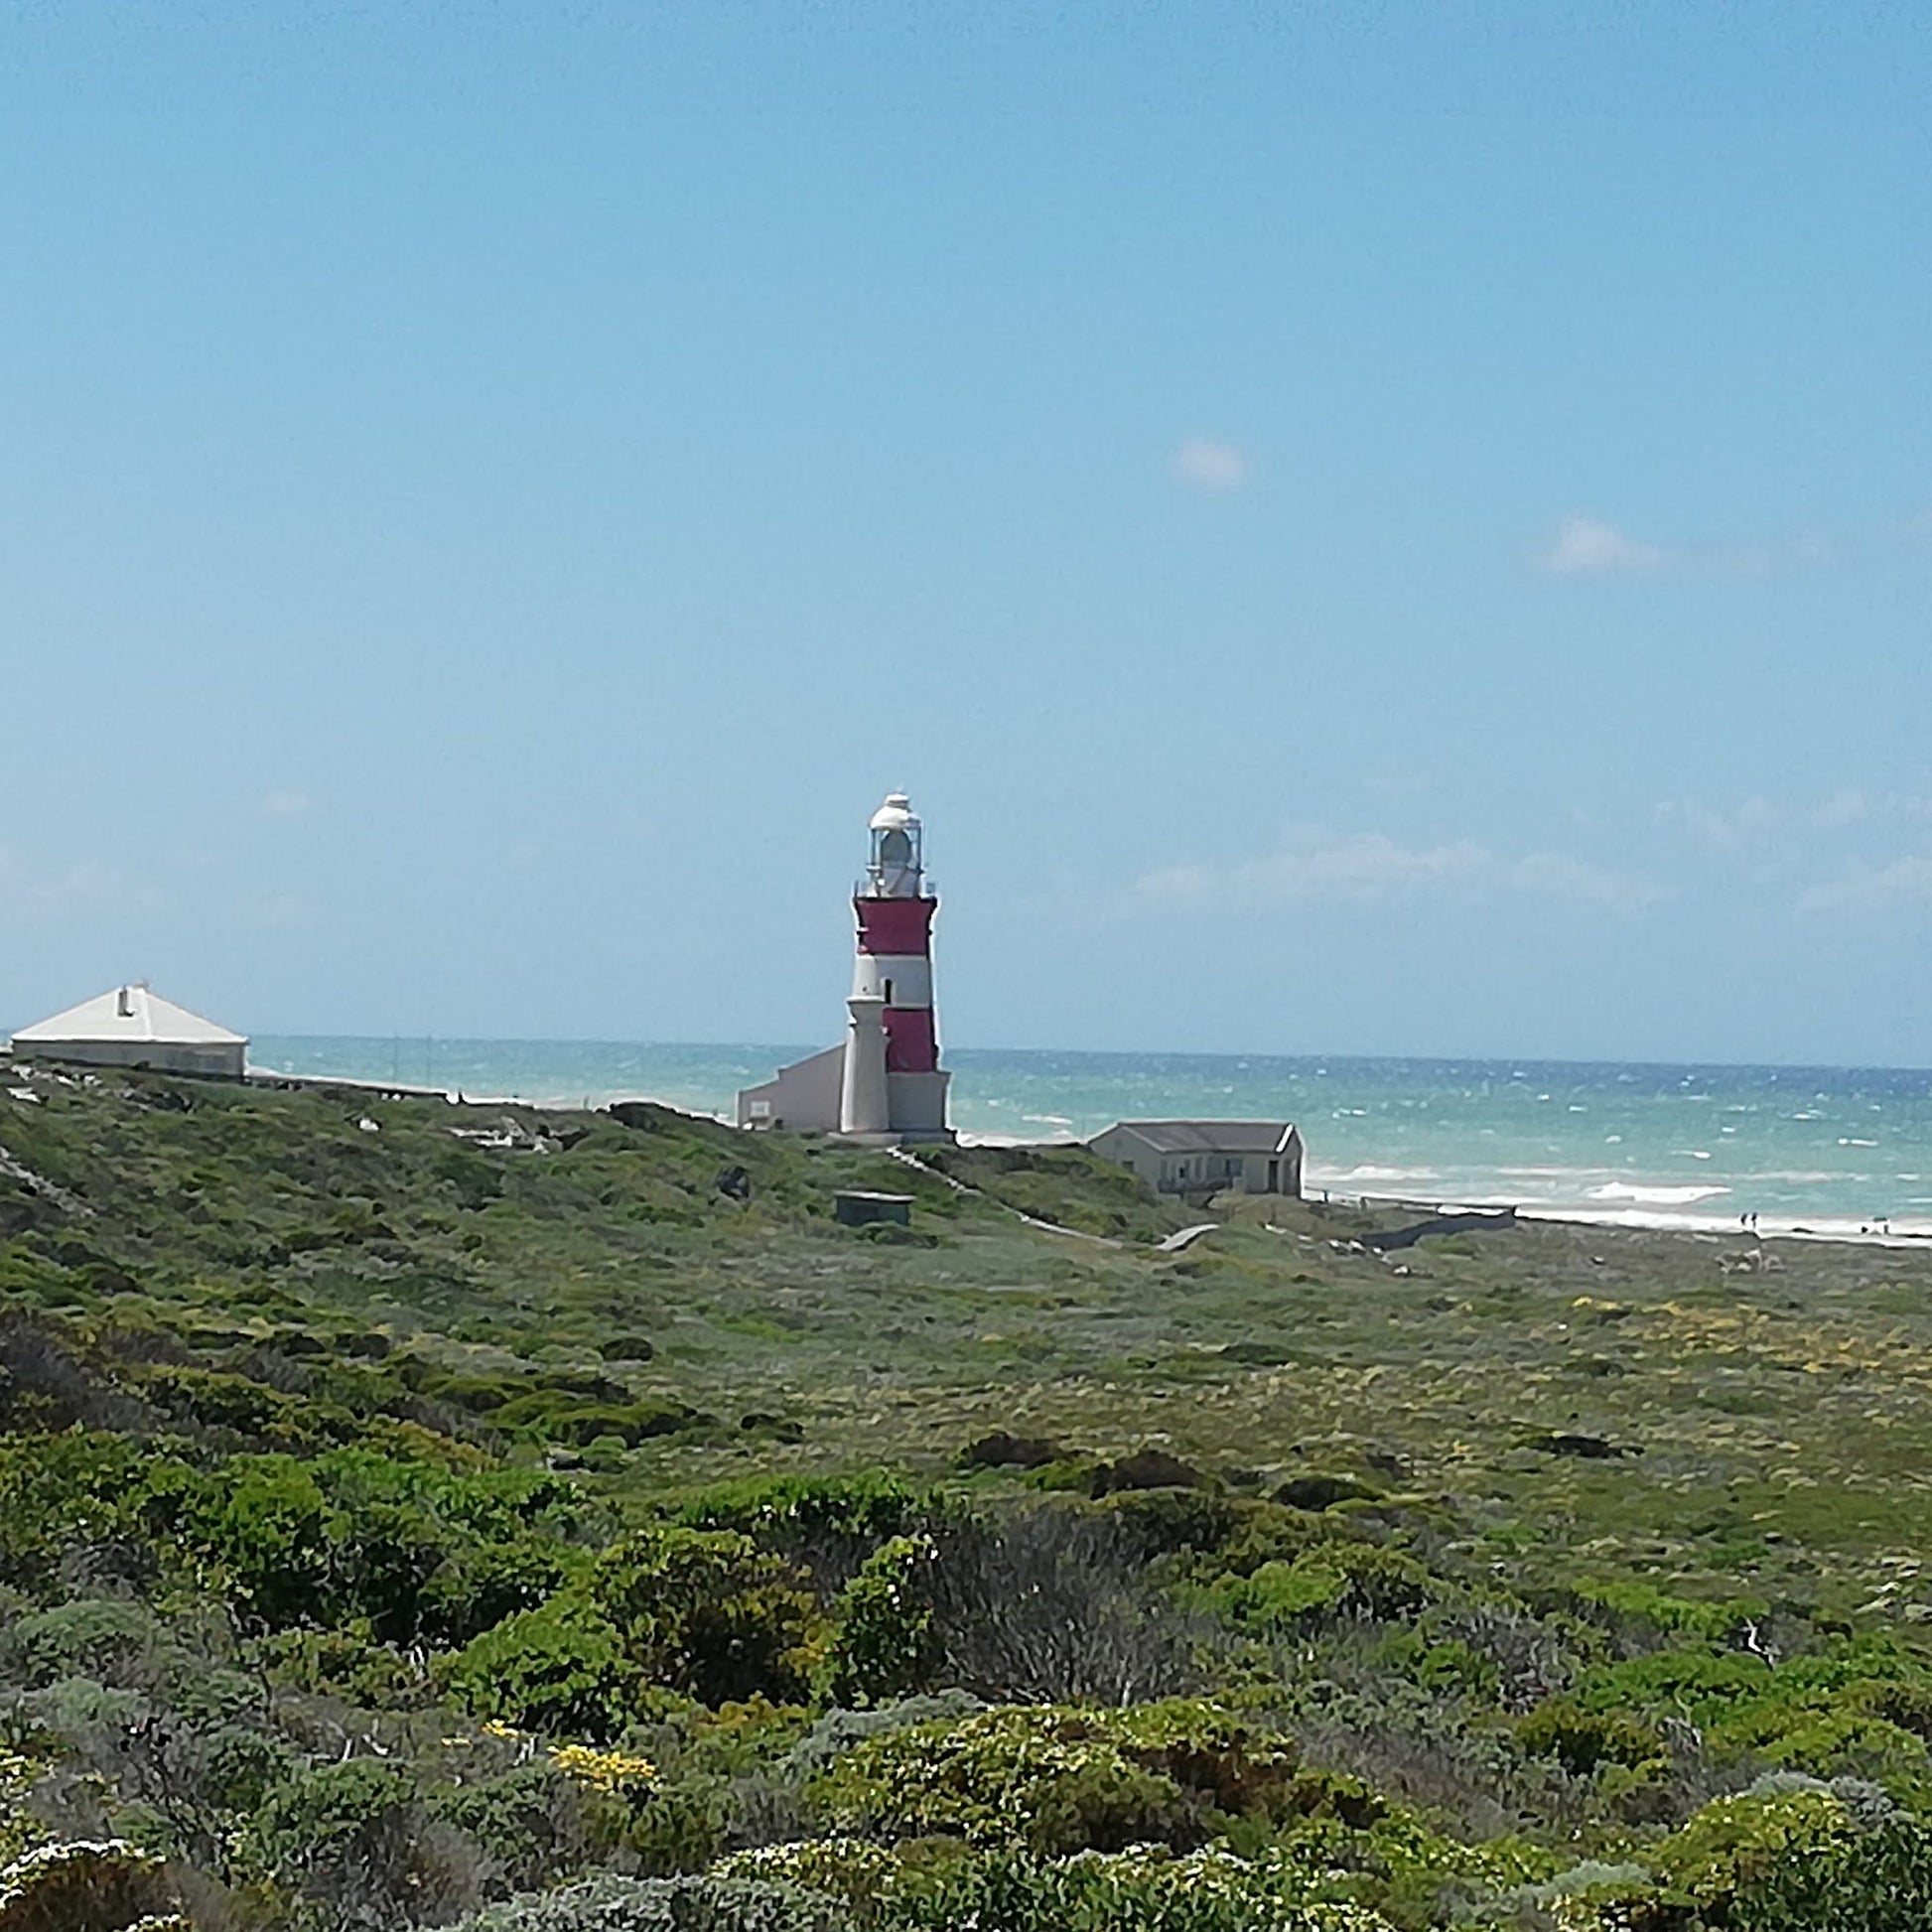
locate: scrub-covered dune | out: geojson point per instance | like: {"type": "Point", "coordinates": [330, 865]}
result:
{"type": "Point", "coordinates": [427, 1514]}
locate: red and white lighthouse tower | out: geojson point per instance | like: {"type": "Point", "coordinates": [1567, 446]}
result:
{"type": "Point", "coordinates": [893, 1087]}
{"type": "Point", "coordinates": [884, 1082]}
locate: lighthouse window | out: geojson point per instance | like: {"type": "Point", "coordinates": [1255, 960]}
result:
{"type": "Point", "coordinates": [895, 849]}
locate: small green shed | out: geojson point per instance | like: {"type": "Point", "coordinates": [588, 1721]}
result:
{"type": "Point", "coordinates": [861, 1207]}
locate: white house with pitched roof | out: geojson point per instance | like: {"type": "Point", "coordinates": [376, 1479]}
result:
{"type": "Point", "coordinates": [1200, 1156]}
{"type": "Point", "coordinates": [132, 1026]}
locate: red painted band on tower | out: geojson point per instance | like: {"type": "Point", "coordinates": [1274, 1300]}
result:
{"type": "Point", "coordinates": [911, 1044]}
{"type": "Point", "coordinates": [896, 925]}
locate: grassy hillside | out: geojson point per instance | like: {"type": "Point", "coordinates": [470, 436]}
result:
{"type": "Point", "coordinates": [405, 1506]}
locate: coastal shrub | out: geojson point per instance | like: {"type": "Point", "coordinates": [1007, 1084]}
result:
{"type": "Point", "coordinates": [1205, 1891]}
{"type": "Point", "coordinates": [1279, 1598]}
{"type": "Point", "coordinates": [1704, 1686]}
{"type": "Point", "coordinates": [1828, 1735]}
{"type": "Point", "coordinates": [872, 1504]}
{"type": "Point", "coordinates": [1758, 1843]}
{"type": "Point", "coordinates": [88, 1886]}
{"type": "Point", "coordinates": [1330, 1579]}
{"type": "Point", "coordinates": [534, 1821]}
{"type": "Point", "coordinates": [1831, 1712]}
{"type": "Point", "coordinates": [1057, 1780]}
{"type": "Point", "coordinates": [344, 1663]}
{"type": "Point", "coordinates": [1879, 1880]}
{"type": "Point", "coordinates": [1162, 1521]}
{"type": "Point", "coordinates": [1447, 1668]}
{"type": "Point", "coordinates": [836, 1730]}
{"type": "Point", "coordinates": [89, 1636]}
{"type": "Point", "coordinates": [709, 1903]}
{"type": "Point", "coordinates": [257, 1530]}
{"type": "Point", "coordinates": [708, 1613]}
{"type": "Point", "coordinates": [359, 1841]}
{"type": "Point", "coordinates": [1616, 1602]}
{"type": "Point", "coordinates": [885, 1643]}
{"type": "Point", "coordinates": [60, 1492]}
{"type": "Point", "coordinates": [857, 1873]}
{"type": "Point", "coordinates": [477, 1585]}
{"type": "Point", "coordinates": [560, 1669]}
{"type": "Point", "coordinates": [1580, 1739]}
{"type": "Point", "coordinates": [1055, 1604]}
{"type": "Point", "coordinates": [354, 1534]}
{"type": "Point", "coordinates": [555, 1415]}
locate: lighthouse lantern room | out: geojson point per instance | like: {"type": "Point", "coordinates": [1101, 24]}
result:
{"type": "Point", "coordinates": [884, 1082]}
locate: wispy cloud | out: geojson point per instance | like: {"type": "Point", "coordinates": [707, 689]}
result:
{"type": "Point", "coordinates": [287, 804]}
{"type": "Point", "coordinates": [1905, 883]}
{"type": "Point", "coordinates": [1315, 864]}
{"type": "Point", "coordinates": [1837, 852]}
{"type": "Point", "coordinates": [1552, 875]}
{"type": "Point", "coordinates": [1758, 821]}
{"type": "Point", "coordinates": [1586, 546]}
{"type": "Point", "coordinates": [1213, 468]}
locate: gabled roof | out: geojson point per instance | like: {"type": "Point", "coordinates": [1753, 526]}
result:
{"type": "Point", "coordinates": [130, 1013]}
{"type": "Point", "coordinates": [1209, 1135]}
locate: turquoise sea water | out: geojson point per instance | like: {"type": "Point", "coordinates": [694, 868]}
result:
{"type": "Point", "coordinates": [1833, 1149]}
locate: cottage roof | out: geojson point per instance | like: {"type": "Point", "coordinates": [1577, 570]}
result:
{"type": "Point", "coordinates": [1210, 1136]}
{"type": "Point", "coordinates": [132, 1013]}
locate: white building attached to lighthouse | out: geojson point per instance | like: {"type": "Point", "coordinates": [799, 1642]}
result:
{"type": "Point", "coordinates": [883, 1083]}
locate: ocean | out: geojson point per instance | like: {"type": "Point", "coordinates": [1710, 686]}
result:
{"type": "Point", "coordinates": [1827, 1149]}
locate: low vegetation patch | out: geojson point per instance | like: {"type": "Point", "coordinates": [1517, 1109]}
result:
{"type": "Point", "coordinates": [534, 1522]}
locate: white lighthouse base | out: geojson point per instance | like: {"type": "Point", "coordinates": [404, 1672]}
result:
{"type": "Point", "coordinates": [804, 1098]}
{"type": "Point", "coordinates": [918, 1105]}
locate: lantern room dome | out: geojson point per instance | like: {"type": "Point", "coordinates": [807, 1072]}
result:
{"type": "Point", "coordinates": [895, 815]}
{"type": "Point", "coordinates": [896, 870]}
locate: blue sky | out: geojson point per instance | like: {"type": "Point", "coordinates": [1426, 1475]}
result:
{"type": "Point", "coordinates": [1363, 528]}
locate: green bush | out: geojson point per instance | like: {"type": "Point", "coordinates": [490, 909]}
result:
{"type": "Point", "coordinates": [1754, 1844]}
{"type": "Point", "coordinates": [708, 1613]}
{"type": "Point", "coordinates": [320, 1810]}
{"type": "Point", "coordinates": [354, 1534]}
{"type": "Point", "coordinates": [1333, 1579]}
{"type": "Point", "coordinates": [872, 1504]}
{"type": "Point", "coordinates": [344, 1663]}
{"type": "Point", "coordinates": [533, 1821]}
{"type": "Point", "coordinates": [707, 1904]}
{"type": "Point", "coordinates": [479, 1584]}
{"type": "Point", "coordinates": [63, 1491]}
{"type": "Point", "coordinates": [1580, 1740]}
{"type": "Point", "coordinates": [91, 1637]}
{"type": "Point", "coordinates": [886, 1642]}
{"type": "Point", "coordinates": [1140, 1890]}
{"type": "Point", "coordinates": [87, 1887]}
{"type": "Point", "coordinates": [1877, 1881]}
{"type": "Point", "coordinates": [1280, 1597]}
{"type": "Point", "coordinates": [560, 1669]}
{"type": "Point", "coordinates": [1055, 1780]}
{"type": "Point", "coordinates": [1638, 1600]}
{"type": "Point", "coordinates": [262, 1526]}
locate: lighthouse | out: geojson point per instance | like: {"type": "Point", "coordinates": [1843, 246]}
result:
{"type": "Point", "coordinates": [883, 1083]}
